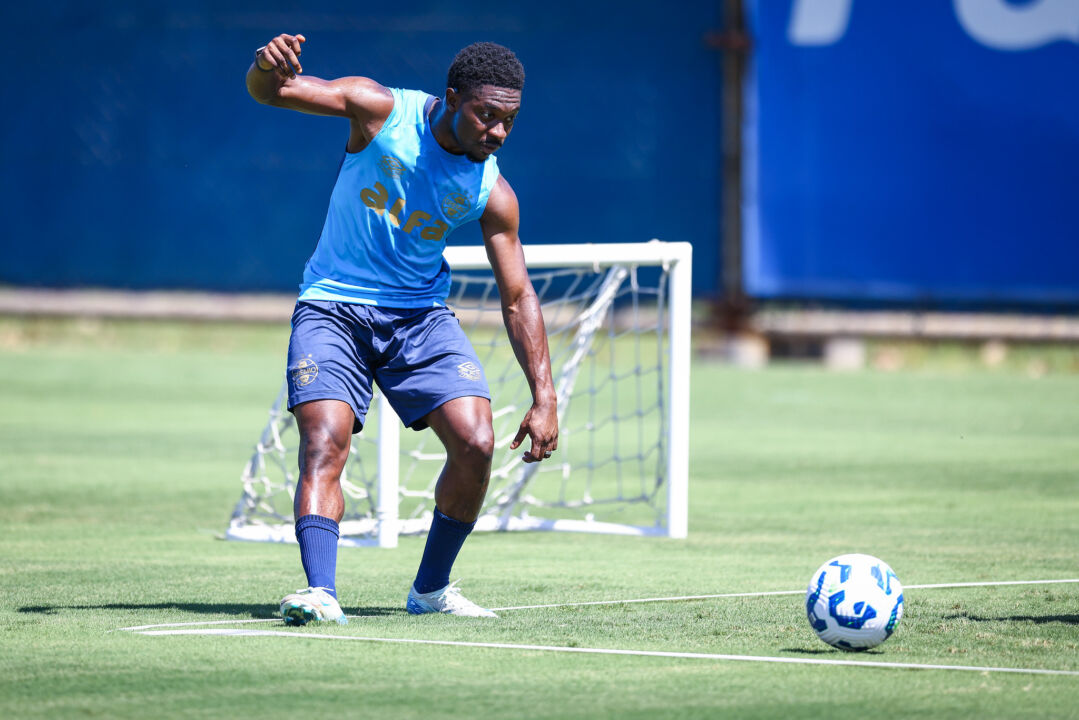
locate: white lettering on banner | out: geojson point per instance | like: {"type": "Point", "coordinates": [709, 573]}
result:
{"type": "Point", "coordinates": [998, 24]}
{"type": "Point", "coordinates": [1003, 26]}
{"type": "Point", "coordinates": [818, 22]}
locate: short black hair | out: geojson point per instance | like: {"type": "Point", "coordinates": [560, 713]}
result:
{"type": "Point", "coordinates": [485, 63]}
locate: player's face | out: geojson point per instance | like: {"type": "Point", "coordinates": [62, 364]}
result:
{"type": "Point", "coordinates": [483, 119]}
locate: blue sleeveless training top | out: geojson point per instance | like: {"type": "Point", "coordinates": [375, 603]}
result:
{"type": "Point", "coordinates": [391, 210]}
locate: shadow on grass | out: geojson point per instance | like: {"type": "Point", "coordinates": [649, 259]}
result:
{"type": "Point", "coordinates": [1037, 619]}
{"type": "Point", "coordinates": [248, 611]}
{"type": "Point", "coordinates": [825, 651]}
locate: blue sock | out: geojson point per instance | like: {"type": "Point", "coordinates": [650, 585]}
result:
{"type": "Point", "coordinates": [444, 541]}
{"type": "Point", "coordinates": [317, 536]}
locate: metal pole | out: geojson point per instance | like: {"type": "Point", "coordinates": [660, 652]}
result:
{"type": "Point", "coordinates": [733, 43]}
{"type": "Point", "coordinates": [680, 303]}
{"type": "Point", "coordinates": [389, 460]}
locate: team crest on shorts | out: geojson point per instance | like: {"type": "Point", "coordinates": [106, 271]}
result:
{"type": "Point", "coordinates": [469, 371]}
{"type": "Point", "coordinates": [305, 372]}
{"type": "Point", "coordinates": [456, 204]}
{"type": "Point", "coordinates": [391, 166]}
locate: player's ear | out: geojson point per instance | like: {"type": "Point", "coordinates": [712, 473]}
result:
{"type": "Point", "coordinates": [453, 99]}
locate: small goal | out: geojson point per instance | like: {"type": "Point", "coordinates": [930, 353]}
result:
{"type": "Point", "coordinates": [618, 325]}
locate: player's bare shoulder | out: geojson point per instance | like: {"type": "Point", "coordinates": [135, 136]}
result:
{"type": "Point", "coordinates": [365, 102]}
{"type": "Point", "coordinates": [369, 105]}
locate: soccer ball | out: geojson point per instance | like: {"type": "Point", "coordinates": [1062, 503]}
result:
{"type": "Point", "coordinates": [854, 602]}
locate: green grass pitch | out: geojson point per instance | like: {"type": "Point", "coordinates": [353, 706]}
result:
{"type": "Point", "coordinates": [121, 446]}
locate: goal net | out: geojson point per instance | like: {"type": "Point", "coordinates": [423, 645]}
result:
{"type": "Point", "coordinates": [618, 324]}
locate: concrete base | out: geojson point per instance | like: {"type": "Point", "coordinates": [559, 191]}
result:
{"type": "Point", "coordinates": [742, 350]}
{"type": "Point", "coordinates": [844, 353]}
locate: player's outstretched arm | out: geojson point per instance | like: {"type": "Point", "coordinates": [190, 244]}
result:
{"type": "Point", "coordinates": [524, 321]}
{"type": "Point", "coordinates": [275, 78]}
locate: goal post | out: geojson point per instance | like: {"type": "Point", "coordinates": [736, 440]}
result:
{"type": "Point", "coordinates": [618, 320]}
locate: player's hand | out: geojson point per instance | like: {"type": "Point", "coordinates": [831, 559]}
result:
{"type": "Point", "coordinates": [283, 54]}
{"type": "Point", "coordinates": [540, 424]}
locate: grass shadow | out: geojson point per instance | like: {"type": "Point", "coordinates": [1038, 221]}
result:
{"type": "Point", "coordinates": [248, 611]}
{"type": "Point", "coordinates": [823, 651]}
{"type": "Point", "coordinates": [1037, 619]}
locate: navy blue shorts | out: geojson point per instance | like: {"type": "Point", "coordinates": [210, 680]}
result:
{"type": "Point", "coordinates": [420, 358]}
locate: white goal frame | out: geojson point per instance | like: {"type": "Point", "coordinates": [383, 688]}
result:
{"type": "Point", "coordinates": [676, 259]}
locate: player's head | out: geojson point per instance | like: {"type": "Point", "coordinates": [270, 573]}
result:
{"type": "Point", "coordinates": [483, 95]}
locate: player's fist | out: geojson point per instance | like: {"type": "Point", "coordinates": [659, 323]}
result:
{"type": "Point", "coordinates": [282, 55]}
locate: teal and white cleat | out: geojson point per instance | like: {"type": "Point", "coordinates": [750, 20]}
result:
{"type": "Point", "coordinates": [311, 605]}
{"type": "Point", "coordinates": [447, 600]}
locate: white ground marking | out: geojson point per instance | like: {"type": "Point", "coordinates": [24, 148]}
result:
{"type": "Point", "coordinates": [988, 584]}
{"type": "Point", "coordinates": [612, 651]}
{"type": "Point", "coordinates": [137, 628]}
{"type": "Point", "coordinates": [673, 598]}
{"type": "Point", "coordinates": [778, 592]}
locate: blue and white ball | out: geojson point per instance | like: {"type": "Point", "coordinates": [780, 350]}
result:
{"type": "Point", "coordinates": [854, 602]}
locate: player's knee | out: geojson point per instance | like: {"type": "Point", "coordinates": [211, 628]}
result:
{"type": "Point", "coordinates": [478, 447]}
{"type": "Point", "coordinates": [322, 451]}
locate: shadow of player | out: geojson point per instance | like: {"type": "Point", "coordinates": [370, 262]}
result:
{"type": "Point", "coordinates": [237, 609]}
{"type": "Point", "coordinates": [830, 651]}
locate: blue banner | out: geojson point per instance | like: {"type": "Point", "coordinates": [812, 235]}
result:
{"type": "Point", "coordinates": [924, 151]}
{"type": "Point", "coordinates": [134, 157]}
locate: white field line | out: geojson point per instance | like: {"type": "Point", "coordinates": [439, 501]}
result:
{"type": "Point", "coordinates": [988, 584]}
{"type": "Point", "coordinates": [672, 598]}
{"type": "Point", "coordinates": [676, 598]}
{"type": "Point", "coordinates": [139, 628]}
{"type": "Point", "coordinates": [612, 651]}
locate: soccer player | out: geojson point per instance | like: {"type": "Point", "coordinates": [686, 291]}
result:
{"type": "Point", "coordinates": [372, 304]}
